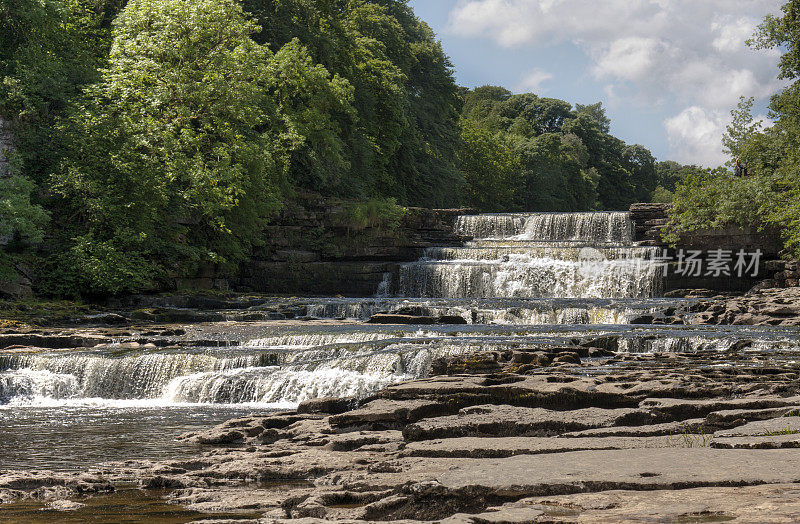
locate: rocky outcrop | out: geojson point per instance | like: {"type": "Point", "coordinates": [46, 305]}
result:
{"type": "Point", "coordinates": [649, 220]}
{"type": "Point", "coordinates": [784, 273]}
{"type": "Point", "coordinates": [50, 487]}
{"type": "Point", "coordinates": [766, 307]}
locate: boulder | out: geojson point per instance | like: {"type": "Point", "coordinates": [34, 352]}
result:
{"type": "Point", "coordinates": [326, 405]}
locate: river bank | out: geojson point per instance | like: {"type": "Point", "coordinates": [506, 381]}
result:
{"type": "Point", "coordinates": [506, 379]}
{"type": "Point", "coordinates": [540, 434]}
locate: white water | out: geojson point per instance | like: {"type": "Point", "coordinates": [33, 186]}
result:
{"type": "Point", "coordinates": [538, 255]}
{"type": "Point", "coordinates": [517, 257]}
{"type": "Point", "coordinates": [336, 365]}
{"type": "Point", "coordinates": [595, 227]}
{"type": "Point", "coordinates": [476, 311]}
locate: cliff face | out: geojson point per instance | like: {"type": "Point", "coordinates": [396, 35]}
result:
{"type": "Point", "coordinates": [651, 219]}
{"type": "Point", "coordinates": [312, 249]}
{"type": "Point", "coordinates": [6, 144]}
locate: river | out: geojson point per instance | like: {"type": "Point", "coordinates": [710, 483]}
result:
{"type": "Point", "coordinates": [525, 280]}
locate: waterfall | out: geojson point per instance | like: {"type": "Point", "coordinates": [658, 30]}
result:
{"type": "Point", "coordinates": [537, 255]}
{"type": "Point", "coordinates": [593, 227]}
{"type": "Point", "coordinates": [281, 375]}
{"type": "Point", "coordinates": [578, 227]}
{"type": "Point", "coordinates": [490, 226]}
{"type": "Point", "coordinates": [554, 270]}
{"type": "Point", "coordinates": [474, 311]}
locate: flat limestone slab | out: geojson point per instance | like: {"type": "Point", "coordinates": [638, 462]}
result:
{"type": "Point", "coordinates": [650, 430]}
{"type": "Point", "coordinates": [773, 426]}
{"type": "Point", "coordinates": [776, 433]}
{"type": "Point", "coordinates": [762, 504]}
{"type": "Point", "coordinates": [765, 442]}
{"type": "Point", "coordinates": [679, 409]}
{"type": "Point", "coordinates": [509, 421]}
{"type": "Point", "coordinates": [477, 447]}
{"type": "Point", "coordinates": [671, 468]}
{"type": "Point", "coordinates": [766, 504]}
{"type": "Point", "coordinates": [734, 416]}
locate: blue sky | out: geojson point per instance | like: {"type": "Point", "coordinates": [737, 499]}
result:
{"type": "Point", "coordinates": [667, 71]}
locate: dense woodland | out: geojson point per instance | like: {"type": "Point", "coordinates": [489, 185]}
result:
{"type": "Point", "coordinates": [158, 136]}
{"type": "Point", "coordinates": [764, 190]}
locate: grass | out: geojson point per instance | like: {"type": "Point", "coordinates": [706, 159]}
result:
{"type": "Point", "coordinates": [690, 440]}
{"type": "Point", "coordinates": [40, 312]}
{"type": "Point", "coordinates": [788, 431]}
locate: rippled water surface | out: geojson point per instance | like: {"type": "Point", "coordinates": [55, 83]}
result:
{"type": "Point", "coordinates": [77, 437]}
{"type": "Point", "coordinates": [124, 506]}
{"type": "Point", "coordinates": [522, 282]}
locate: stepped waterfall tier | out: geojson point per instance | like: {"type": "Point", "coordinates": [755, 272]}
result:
{"type": "Point", "coordinates": [541, 255]}
{"type": "Point", "coordinates": [563, 274]}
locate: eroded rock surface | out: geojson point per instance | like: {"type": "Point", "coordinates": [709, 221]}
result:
{"type": "Point", "coordinates": [503, 437]}
{"type": "Point", "coordinates": [769, 306]}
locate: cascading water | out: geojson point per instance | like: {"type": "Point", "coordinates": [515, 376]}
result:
{"type": "Point", "coordinates": [534, 261]}
{"type": "Point", "coordinates": [549, 227]}
{"type": "Point", "coordinates": [275, 371]}
{"type": "Point", "coordinates": [542, 255]}
{"type": "Point", "coordinates": [523, 281]}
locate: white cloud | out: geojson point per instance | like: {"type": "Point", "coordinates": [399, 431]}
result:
{"type": "Point", "coordinates": [673, 53]}
{"type": "Point", "coordinates": [533, 81]}
{"type": "Point", "coordinates": [695, 134]}
{"type": "Point", "coordinates": [628, 58]}
{"type": "Point", "coordinates": [730, 36]}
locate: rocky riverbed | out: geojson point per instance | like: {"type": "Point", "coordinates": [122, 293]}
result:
{"type": "Point", "coordinates": [569, 432]}
{"type": "Point", "coordinates": [767, 306]}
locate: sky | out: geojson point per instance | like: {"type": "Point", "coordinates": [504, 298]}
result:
{"type": "Point", "coordinates": [668, 72]}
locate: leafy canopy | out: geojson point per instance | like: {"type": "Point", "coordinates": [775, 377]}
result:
{"type": "Point", "coordinates": [770, 193]}
{"type": "Point", "coordinates": [178, 155]}
{"type": "Point", "coordinates": [565, 157]}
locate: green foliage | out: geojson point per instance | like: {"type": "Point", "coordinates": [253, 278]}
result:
{"type": "Point", "coordinates": [567, 159]}
{"type": "Point", "coordinates": [383, 214]}
{"type": "Point", "coordinates": [18, 215]}
{"type": "Point", "coordinates": [710, 199]}
{"type": "Point", "coordinates": [178, 154]}
{"type": "Point", "coordinates": [42, 312]}
{"type": "Point", "coordinates": [784, 33]}
{"type": "Point", "coordinates": [770, 194]}
{"type": "Point", "coordinates": [491, 169]}
{"type": "Point", "coordinates": [401, 139]}
{"type": "Point", "coordinates": [49, 49]}
{"type": "Point", "coordinates": [670, 173]}
{"type": "Point", "coordinates": [662, 195]}
{"type": "Point", "coordinates": [102, 267]}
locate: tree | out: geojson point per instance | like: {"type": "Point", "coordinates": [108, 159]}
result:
{"type": "Point", "coordinates": [405, 136]}
{"type": "Point", "coordinates": [178, 155]}
{"type": "Point", "coordinates": [569, 161]}
{"type": "Point", "coordinates": [491, 169]}
{"type": "Point", "coordinates": [597, 113]}
{"type": "Point", "coordinates": [641, 164]}
{"type": "Point", "coordinates": [771, 192]}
